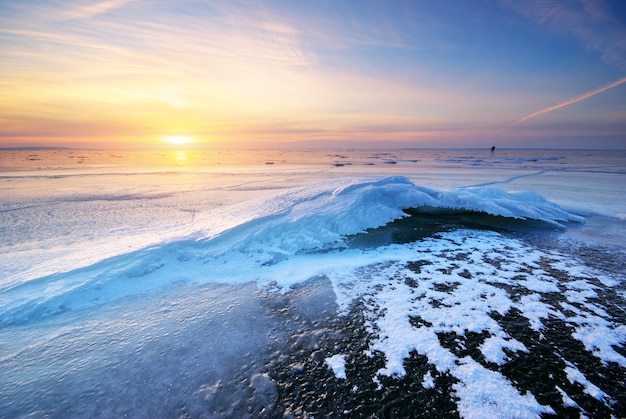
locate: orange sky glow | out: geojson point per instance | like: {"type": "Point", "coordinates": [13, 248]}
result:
{"type": "Point", "coordinates": [128, 73]}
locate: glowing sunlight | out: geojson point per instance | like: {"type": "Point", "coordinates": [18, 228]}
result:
{"type": "Point", "coordinates": [178, 140]}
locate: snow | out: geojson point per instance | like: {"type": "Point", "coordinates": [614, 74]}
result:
{"type": "Point", "coordinates": [337, 363]}
{"type": "Point", "coordinates": [567, 400]}
{"type": "Point", "coordinates": [428, 382]}
{"type": "Point", "coordinates": [466, 306]}
{"type": "Point", "coordinates": [536, 310]}
{"type": "Point", "coordinates": [575, 376]}
{"type": "Point", "coordinates": [69, 255]}
{"type": "Point", "coordinates": [486, 394]}
{"type": "Point", "coordinates": [492, 348]}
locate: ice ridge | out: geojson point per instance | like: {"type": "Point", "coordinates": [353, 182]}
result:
{"type": "Point", "coordinates": [311, 219]}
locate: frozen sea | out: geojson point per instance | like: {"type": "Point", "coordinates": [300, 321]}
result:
{"type": "Point", "coordinates": [354, 283]}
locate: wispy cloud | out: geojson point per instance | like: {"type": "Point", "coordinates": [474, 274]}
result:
{"type": "Point", "coordinates": [95, 9]}
{"type": "Point", "coordinates": [590, 22]}
{"type": "Point", "coordinates": [364, 70]}
{"type": "Point", "coordinates": [572, 101]}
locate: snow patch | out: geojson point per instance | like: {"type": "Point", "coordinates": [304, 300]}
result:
{"type": "Point", "coordinates": [487, 394]}
{"type": "Point", "coordinates": [337, 363]}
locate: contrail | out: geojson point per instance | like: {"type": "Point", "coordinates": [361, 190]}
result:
{"type": "Point", "coordinates": [572, 101]}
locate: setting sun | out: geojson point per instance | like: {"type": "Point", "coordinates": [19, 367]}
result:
{"type": "Point", "coordinates": [178, 140]}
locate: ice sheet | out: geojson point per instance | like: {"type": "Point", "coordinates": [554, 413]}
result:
{"type": "Point", "coordinates": [315, 218]}
{"type": "Point", "coordinates": [99, 243]}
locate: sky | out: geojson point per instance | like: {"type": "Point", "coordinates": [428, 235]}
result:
{"type": "Point", "coordinates": [313, 74]}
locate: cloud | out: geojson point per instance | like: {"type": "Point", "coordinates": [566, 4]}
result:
{"type": "Point", "coordinates": [572, 101]}
{"type": "Point", "coordinates": [95, 9]}
{"type": "Point", "coordinates": [590, 22]}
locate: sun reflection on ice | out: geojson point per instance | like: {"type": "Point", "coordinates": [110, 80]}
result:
{"type": "Point", "coordinates": [181, 156]}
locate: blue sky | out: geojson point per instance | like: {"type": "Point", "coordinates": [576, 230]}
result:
{"type": "Point", "coordinates": [515, 73]}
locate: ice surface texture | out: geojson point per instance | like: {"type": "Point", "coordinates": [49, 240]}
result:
{"type": "Point", "coordinates": [312, 219]}
{"type": "Point", "coordinates": [462, 299]}
{"type": "Point", "coordinates": [474, 302]}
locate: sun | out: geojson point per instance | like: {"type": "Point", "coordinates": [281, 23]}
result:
{"type": "Point", "coordinates": [178, 140]}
